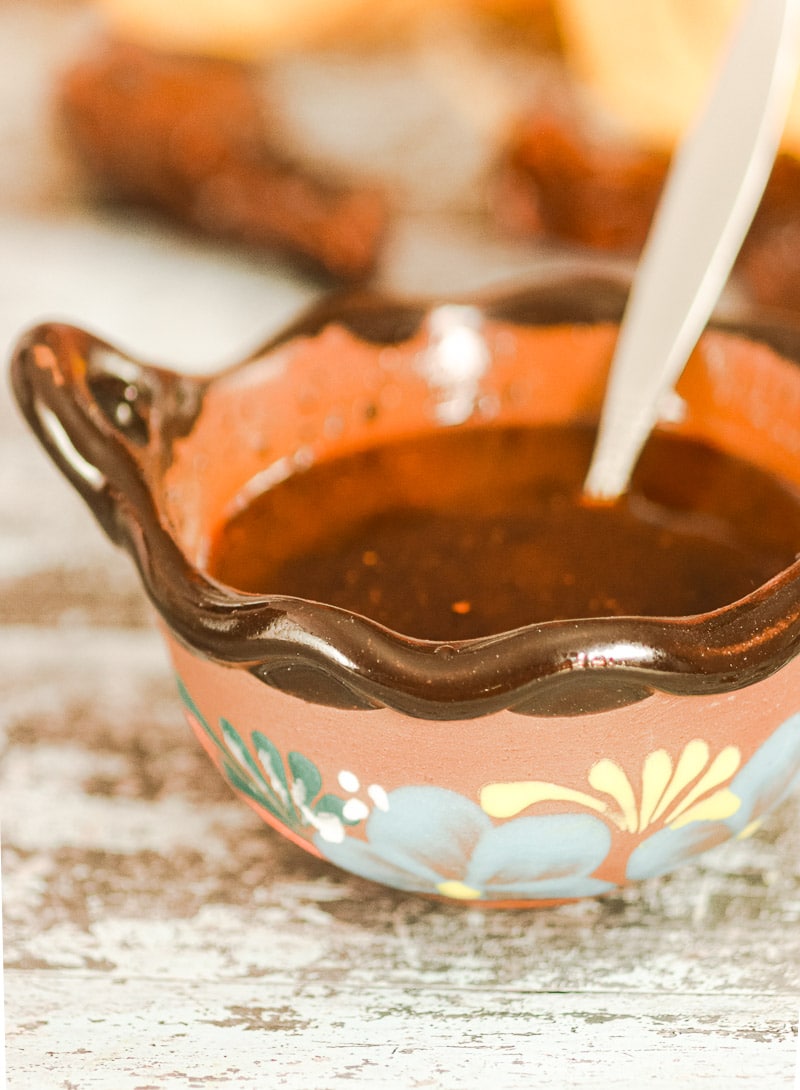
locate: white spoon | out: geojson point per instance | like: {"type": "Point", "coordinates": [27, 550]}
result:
{"type": "Point", "coordinates": [713, 188]}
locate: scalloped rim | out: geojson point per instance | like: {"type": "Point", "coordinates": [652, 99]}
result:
{"type": "Point", "coordinates": [555, 668]}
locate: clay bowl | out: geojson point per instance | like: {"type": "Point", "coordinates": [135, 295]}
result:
{"type": "Point", "coordinates": [543, 764]}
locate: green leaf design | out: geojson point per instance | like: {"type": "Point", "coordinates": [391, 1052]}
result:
{"type": "Point", "coordinates": [332, 804]}
{"type": "Point", "coordinates": [272, 764]}
{"type": "Point", "coordinates": [183, 692]}
{"type": "Point", "coordinates": [264, 778]}
{"type": "Point", "coordinates": [190, 705]}
{"type": "Point", "coordinates": [241, 783]}
{"type": "Point", "coordinates": [239, 750]}
{"type": "Point", "coordinates": [305, 772]}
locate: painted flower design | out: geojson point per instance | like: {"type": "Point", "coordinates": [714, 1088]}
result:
{"type": "Point", "coordinates": [289, 790]}
{"type": "Point", "coordinates": [696, 787]}
{"type": "Point", "coordinates": [691, 804]}
{"type": "Point", "coordinates": [432, 840]}
{"type": "Point", "coordinates": [429, 839]}
{"type": "Point", "coordinates": [769, 777]}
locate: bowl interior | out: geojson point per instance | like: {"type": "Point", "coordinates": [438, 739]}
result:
{"type": "Point", "coordinates": [314, 398]}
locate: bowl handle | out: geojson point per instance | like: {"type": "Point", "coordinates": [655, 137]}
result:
{"type": "Point", "coordinates": [103, 417]}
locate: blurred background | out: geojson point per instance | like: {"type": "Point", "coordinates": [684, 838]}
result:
{"type": "Point", "coordinates": [183, 176]}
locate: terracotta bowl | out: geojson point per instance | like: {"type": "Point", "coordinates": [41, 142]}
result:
{"type": "Point", "coordinates": [543, 764]}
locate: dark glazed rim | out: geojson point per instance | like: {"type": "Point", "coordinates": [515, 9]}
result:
{"type": "Point", "coordinates": [107, 422]}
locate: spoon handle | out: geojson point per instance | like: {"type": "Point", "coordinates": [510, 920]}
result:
{"type": "Point", "coordinates": [713, 188]}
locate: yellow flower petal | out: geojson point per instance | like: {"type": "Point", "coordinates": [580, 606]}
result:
{"type": "Point", "coordinates": [504, 800]}
{"type": "Point", "coordinates": [608, 777]}
{"type": "Point", "coordinates": [459, 890]}
{"type": "Point", "coordinates": [690, 764]}
{"type": "Point", "coordinates": [748, 830]}
{"type": "Point", "coordinates": [722, 804]}
{"type": "Point", "coordinates": [656, 775]}
{"type": "Point", "coordinates": [722, 769]}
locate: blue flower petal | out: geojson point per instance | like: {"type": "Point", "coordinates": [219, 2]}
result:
{"type": "Point", "coordinates": [547, 856]}
{"type": "Point", "coordinates": [428, 831]}
{"type": "Point", "coordinates": [429, 836]}
{"type": "Point", "coordinates": [362, 859]}
{"type": "Point", "coordinates": [669, 848]}
{"type": "Point", "coordinates": [425, 837]}
{"type": "Point", "coordinates": [567, 888]}
{"type": "Point", "coordinates": [770, 776]}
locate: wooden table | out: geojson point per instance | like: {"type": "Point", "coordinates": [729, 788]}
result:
{"type": "Point", "coordinates": [157, 935]}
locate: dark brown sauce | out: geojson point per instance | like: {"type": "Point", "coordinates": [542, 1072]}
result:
{"type": "Point", "coordinates": [472, 532]}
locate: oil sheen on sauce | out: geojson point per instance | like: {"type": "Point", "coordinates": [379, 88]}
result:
{"type": "Point", "coordinates": [471, 532]}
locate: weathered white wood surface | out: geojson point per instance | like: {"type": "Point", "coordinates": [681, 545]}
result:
{"type": "Point", "coordinates": [157, 935]}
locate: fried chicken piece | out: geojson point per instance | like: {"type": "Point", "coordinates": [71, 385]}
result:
{"type": "Point", "coordinates": [192, 138]}
{"type": "Point", "coordinates": [563, 178]}
{"type": "Point", "coordinates": [559, 178]}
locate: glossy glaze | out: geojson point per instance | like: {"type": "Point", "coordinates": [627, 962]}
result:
{"type": "Point", "coordinates": [163, 461]}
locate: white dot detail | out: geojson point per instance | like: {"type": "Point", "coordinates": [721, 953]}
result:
{"type": "Point", "coordinates": [355, 810]}
{"type": "Point", "coordinates": [378, 796]}
{"type": "Point", "coordinates": [348, 781]}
